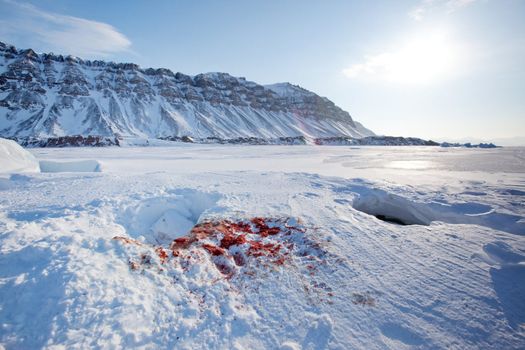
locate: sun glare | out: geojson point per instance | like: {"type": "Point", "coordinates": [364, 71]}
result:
{"type": "Point", "coordinates": [424, 58]}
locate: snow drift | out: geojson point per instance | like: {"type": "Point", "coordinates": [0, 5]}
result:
{"type": "Point", "coordinates": [163, 219]}
{"type": "Point", "coordinates": [15, 159]}
{"type": "Point", "coordinates": [396, 209]}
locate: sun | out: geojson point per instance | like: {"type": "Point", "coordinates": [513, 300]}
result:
{"type": "Point", "coordinates": [423, 58]}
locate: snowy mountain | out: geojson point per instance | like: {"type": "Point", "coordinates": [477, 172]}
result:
{"type": "Point", "coordinates": [47, 95]}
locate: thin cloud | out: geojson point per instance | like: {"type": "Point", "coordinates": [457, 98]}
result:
{"type": "Point", "coordinates": [427, 7]}
{"type": "Point", "coordinates": [63, 33]}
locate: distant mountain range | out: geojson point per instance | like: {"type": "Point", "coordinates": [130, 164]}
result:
{"type": "Point", "coordinates": [45, 96]}
{"type": "Point", "coordinates": [516, 141]}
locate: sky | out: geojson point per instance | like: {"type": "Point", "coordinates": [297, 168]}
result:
{"type": "Point", "coordinates": [436, 69]}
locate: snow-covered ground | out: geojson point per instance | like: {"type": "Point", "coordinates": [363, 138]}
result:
{"type": "Point", "coordinates": [287, 251]}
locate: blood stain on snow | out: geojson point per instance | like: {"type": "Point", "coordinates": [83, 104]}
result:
{"type": "Point", "coordinates": [280, 260]}
{"type": "Point", "coordinates": [260, 249]}
{"type": "Point", "coordinates": [181, 243]}
{"type": "Point", "coordinates": [263, 229]}
{"type": "Point", "coordinates": [234, 244]}
{"type": "Point", "coordinates": [230, 239]}
{"type": "Point", "coordinates": [213, 249]}
{"type": "Point", "coordinates": [163, 256]}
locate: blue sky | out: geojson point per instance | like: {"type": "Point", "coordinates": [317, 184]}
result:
{"type": "Point", "coordinates": [429, 68]}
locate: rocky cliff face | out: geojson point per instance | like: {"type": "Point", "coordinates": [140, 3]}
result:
{"type": "Point", "coordinates": [47, 95]}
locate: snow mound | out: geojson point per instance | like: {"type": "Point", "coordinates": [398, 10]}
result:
{"type": "Point", "coordinates": [163, 219]}
{"type": "Point", "coordinates": [396, 209]}
{"type": "Point", "coordinates": [212, 274]}
{"type": "Point", "coordinates": [392, 208]}
{"type": "Point", "coordinates": [79, 166]}
{"type": "Point", "coordinates": [15, 159]}
{"type": "Point", "coordinates": [232, 249]}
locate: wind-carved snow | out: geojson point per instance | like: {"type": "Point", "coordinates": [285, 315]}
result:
{"type": "Point", "coordinates": [390, 207]}
{"type": "Point", "coordinates": [394, 208]}
{"type": "Point", "coordinates": [163, 219]}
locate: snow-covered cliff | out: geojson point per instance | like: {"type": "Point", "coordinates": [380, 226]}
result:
{"type": "Point", "coordinates": [47, 95]}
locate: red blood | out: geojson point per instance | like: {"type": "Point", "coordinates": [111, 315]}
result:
{"type": "Point", "coordinates": [230, 234]}
{"type": "Point", "coordinates": [255, 248]}
{"type": "Point", "coordinates": [263, 229]}
{"type": "Point", "coordinates": [260, 249]}
{"type": "Point", "coordinates": [181, 242]}
{"type": "Point", "coordinates": [280, 260]}
{"type": "Point", "coordinates": [162, 254]}
{"type": "Point", "coordinates": [201, 231]}
{"type": "Point", "coordinates": [228, 240]}
{"type": "Point", "coordinates": [273, 230]}
{"type": "Point", "coordinates": [213, 250]}
{"type": "Point", "coordinates": [241, 227]}
{"type": "Point", "coordinates": [259, 222]}
{"type": "Point", "coordinates": [210, 228]}
{"type": "Point", "coordinates": [274, 249]}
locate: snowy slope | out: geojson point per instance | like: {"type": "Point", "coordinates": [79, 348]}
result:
{"type": "Point", "coordinates": [46, 95]}
{"type": "Point", "coordinates": [95, 266]}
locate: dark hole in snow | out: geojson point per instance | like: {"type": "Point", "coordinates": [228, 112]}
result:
{"type": "Point", "coordinates": [391, 220]}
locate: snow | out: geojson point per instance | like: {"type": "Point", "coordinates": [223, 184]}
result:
{"type": "Point", "coordinates": [15, 159]}
{"type": "Point", "coordinates": [162, 219]}
{"type": "Point", "coordinates": [286, 89]}
{"type": "Point", "coordinates": [87, 259]}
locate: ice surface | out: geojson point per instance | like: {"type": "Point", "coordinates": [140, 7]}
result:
{"type": "Point", "coordinates": [453, 279]}
{"type": "Point", "coordinates": [47, 166]}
